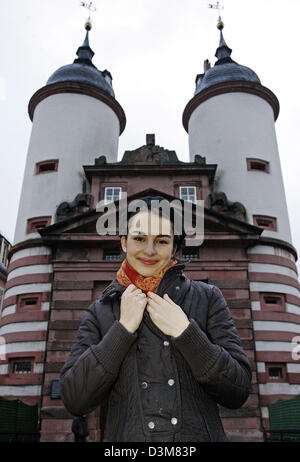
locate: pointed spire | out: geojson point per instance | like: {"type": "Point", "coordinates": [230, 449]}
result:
{"type": "Point", "coordinates": [85, 53]}
{"type": "Point", "coordinates": [223, 51]}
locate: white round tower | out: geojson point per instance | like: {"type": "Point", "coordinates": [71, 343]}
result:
{"type": "Point", "coordinates": [75, 119]}
{"type": "Point", "coordinates": [230, 120]}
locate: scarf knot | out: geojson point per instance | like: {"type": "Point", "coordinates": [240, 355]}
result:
{"type": "Point", "coordinates": [127, 275]}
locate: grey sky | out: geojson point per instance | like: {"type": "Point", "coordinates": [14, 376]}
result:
{"type": "Point", "coordinates": [154, 49]}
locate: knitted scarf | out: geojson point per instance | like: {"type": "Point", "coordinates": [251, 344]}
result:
{"type": "Point", "coordinates": [127, 275]}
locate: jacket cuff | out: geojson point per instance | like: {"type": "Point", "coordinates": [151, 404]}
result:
{"type": "Point", "coordinates": [113, 347]}
{"type": "Point", "coordinates": [197, 349]}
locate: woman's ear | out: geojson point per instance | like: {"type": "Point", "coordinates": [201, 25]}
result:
{"type": "Point", "coordinates": [123, 243]}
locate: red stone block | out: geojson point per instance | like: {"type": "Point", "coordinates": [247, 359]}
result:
{"type": "Point", "coordinates": [241, 423]}
{"type": "Point", "coordinates": [60, 425]}
{"type": "Point", "coordinates": [72, 295]}
{"type": "Point", "coordinates": [245, 333]}
{"type": "Point", "coordinates": [56, 437]}
{"type": "Point", "coordinates": [245, 436]}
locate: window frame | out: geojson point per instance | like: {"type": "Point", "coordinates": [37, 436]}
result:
{"type": "Point", "coordinates": [272, 307]}
{"type": "Point", "coordinates": [281, 366]}
{"type": "Point", "coordinates": [113, 188]}
{"type": "Point", "coordinates": [21, 306]}
{"type": "Point", "coordinates": [31, 222]}
{"type": "Point", "coordinates": [13, 361]}
{"type": "Point", "coordinates": [38, 165]}
{"type": "Point", "coordinates": [262, 162]}
{"type": "Point", "coordinates": [272, 221]}
{"type": "Point", "coordinates": [191, 251]}
{"type": "Point", "coordinates": [115, 252]}
{"type": "Point", "coordinates": [187, 187]}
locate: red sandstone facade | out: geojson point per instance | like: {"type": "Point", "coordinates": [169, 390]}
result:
{"type": "Point", "coordinates": [71, 270]}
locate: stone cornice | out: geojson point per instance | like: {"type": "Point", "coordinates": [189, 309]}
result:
{"type": "Point", "coordinates": [278, 243]}
{"type": "Point", "coordinates": [79, 88]}
{"type": "Point", "coordinates": [230, 87]}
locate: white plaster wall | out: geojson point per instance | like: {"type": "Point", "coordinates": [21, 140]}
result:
{"type": "Point", "coordinates": [74, 129]}
{"type": "Point", "coordinates": [227, 129]}
{"type": "Point", "coordinates": [30, 252]}
{"type": "Point", "coordinates": [20, 390]}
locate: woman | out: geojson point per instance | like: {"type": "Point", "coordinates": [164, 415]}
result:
{"type": "Point", "coordinates": [161, 348]}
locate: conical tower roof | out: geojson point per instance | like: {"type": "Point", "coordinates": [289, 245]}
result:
{"type": "Point", "coordinates": [82, 70]}
{"type": "Point", "coordinates": [225, 69]}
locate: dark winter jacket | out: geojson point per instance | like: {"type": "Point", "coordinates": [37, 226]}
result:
{"type": "Point", "coordinates": [159, 388]}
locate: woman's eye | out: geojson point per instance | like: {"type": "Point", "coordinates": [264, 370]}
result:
{"type": "Point", "coordinates": [162, 241]}
{"type": "Point", "coordinates": [138, 238]}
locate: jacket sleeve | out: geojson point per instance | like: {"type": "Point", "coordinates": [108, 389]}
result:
{"type": "Point", "coordinates": [216, 356]}
{"type": "Point", "coordinates": [93, 364]}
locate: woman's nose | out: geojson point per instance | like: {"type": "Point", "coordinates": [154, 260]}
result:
{"type": "Point", "coordinates": [149, 250]}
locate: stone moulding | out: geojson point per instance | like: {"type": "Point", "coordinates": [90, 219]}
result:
{"type": "Point", "coordinates": [79, 88]}
{"type": "Point", "coordinates": [230, 87]}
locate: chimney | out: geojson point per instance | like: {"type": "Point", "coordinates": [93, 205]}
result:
{"type": "Point", "coordinates": [150, 140]}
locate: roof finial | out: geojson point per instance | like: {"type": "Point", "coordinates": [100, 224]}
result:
{"type": "Point", "coordinates": [92, 9]}
{"type": "Point", "coordinates": [223, 52]}
{"type": "Point", "coordinates": [85, 53]}
{"type": "Point", "coordinates": [217, 6]}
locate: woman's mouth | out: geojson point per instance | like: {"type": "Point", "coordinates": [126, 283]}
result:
{"type": "Point", "coordinates": [147, 262]}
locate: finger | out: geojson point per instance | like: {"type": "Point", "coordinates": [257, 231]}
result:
{"type": "Point", "coordinates": [130, 288]}
{"type": "Point", "coordinates": [153, 296]}
{"type": "Point", "coordinates": [153, 304]}
{"type": "Point", "coordinates": [168, 299]}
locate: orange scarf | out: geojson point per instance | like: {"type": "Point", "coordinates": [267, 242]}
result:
{"type": "Point", "coordinates": [127, 275]}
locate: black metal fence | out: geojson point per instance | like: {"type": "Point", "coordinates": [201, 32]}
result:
{"type": "Point", "coordinates": [19, 437]}
{"type": "Point", "coordinates": [282, 435]}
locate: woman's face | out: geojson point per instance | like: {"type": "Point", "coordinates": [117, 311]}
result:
{"type": "Point", "coordinates": [149, 244]}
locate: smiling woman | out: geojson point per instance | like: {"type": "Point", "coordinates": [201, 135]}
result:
{"type": "Point", "coordinates": [160, 348]}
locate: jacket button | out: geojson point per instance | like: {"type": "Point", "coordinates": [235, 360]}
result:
{"type": "Point", "coordinates": [166, 343]}
{"type": "Point", "coordinates": [151, 425]}
{"type": "Point", "coordinates": [177, 288]}
{"type": "Point", "coordinates": [174, 420]}
{"type": "Point", "coordinates": [171, 382]}
{"type": "Point", "coordinates": [144, 385]}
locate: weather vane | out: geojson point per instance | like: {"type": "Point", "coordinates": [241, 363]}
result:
{"type": "Point", "coordinates": [92, 9]}
{"type": "Point", "coordinates": [219, 7]}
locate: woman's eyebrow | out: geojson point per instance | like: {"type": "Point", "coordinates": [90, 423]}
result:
{"type": "Point", "coordinates": [136, 231]}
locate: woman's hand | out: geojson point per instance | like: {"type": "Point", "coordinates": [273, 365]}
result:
{"type": "Point", "coordinates": [133, 302]}
{"type": "Point", "coordinates": [168, 316]}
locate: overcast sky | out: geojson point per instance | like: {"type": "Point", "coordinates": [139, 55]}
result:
{"type": "Point", "coordinates": [154, 49]}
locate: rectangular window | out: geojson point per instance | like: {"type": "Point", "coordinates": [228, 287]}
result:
{"type": "Point", "coordinates": [272, 301]}
{"type": "Point", "coordinates": [111, 254]}
{"type": "Point", "coordinates": [191, 254]}
{"type": "Point", "coordinates": [21, 366]}
{"type": "Point", "coordinates": [29, 302]}
{"type": "Point", "coordinates": [258, 165]}
{"type": "Point", "coordinates": [1, 297]}
{"type": "Point", "coordinates": [188, 193]}
{"type": "Point", "coordinates": [4, 253]}
{"type": "Point", "coordinates": [112, 194]}
{"type": "Point", "coordinates": [265, 222]}
{"type": "Point", "coordinates": [47, 166]}
{"type": "Point", "coordinates": [33, 224]}
{"type": "Point", "coordinates": [276, 372]}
